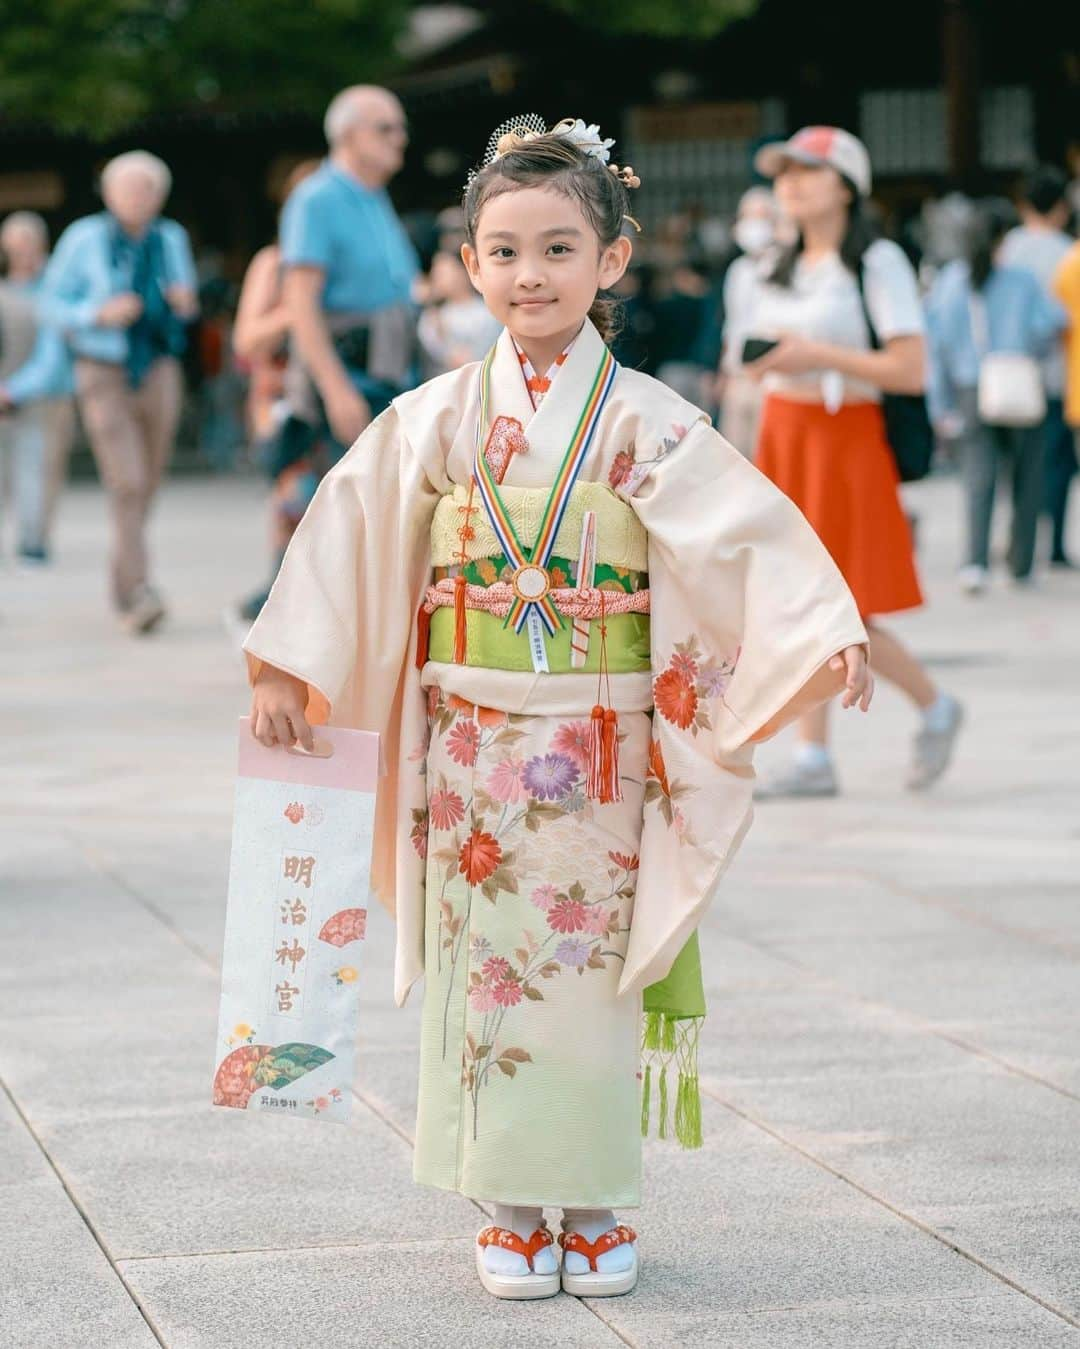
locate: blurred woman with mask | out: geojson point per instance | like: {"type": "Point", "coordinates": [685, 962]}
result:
{"type": "Point", "coordinates": [739, 396]}
{"type": "Point", "coordinates": [841, 316]}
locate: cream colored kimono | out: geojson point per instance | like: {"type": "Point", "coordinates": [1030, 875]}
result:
{"type": "Point", "coordinates": [541, 915]}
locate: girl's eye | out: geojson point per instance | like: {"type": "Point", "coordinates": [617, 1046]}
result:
{"type": "Point", "coordinates": [561, 248]}
{"type": "Point", "coordinates": [502, 252]}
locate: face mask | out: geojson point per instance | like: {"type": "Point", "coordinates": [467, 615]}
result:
{"type": "Point", "coordinates": [753, 235]}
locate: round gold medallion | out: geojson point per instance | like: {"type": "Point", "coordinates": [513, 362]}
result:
{"type": "Point", "coordinates": [531, 583]}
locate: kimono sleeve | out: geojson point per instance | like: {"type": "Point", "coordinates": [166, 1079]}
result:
{"type": "Point", "coordinates": [744, 594]}
{"type": "Point", "coordinates": [340, 613]}
{"type": "Point", "coordinates": [746, 606]}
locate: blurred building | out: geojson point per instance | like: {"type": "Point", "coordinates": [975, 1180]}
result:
{"type": "Point", "coordinates": [946, 93]}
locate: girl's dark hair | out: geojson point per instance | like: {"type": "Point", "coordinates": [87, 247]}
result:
{"type": "Point", "coordinates": [861, 232]}
{"type": "Point", "coordinates": [993, 219]}
{"type": "Point", "coordinates": [559, 164]}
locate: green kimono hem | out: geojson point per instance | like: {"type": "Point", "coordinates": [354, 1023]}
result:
{"type": "Point", "coordinates": [673, 1013]}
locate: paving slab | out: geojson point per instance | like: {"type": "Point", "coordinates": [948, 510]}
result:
{"type": "Point", "coordinates": [868, 961]}
{"type": "Point", "coordinates": [57, 1287]}
{"type": "Point", "coordinates": [410, 1296]}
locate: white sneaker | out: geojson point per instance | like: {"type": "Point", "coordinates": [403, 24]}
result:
{"type": "Point", "coordinates": [973, 580]}
{"type": "Point", "coordinates": [933, 749]}
{"type": "Point", "coordinates": [799, 780]}
{"type": "Point", "coordinates": [145, 611]}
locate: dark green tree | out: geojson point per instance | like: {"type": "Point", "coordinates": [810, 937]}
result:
{"type": "Point", "coordinates": [658, 18]}
{"type": "Point", "coordinates": [95, 67]}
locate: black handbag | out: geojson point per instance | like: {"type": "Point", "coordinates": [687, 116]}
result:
{"type": "Point", "coordinates": [907, 421]}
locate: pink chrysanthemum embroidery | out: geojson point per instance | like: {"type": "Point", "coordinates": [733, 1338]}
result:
{"type": "Point", "coordinates": [596, 919]}
{"type": "Point", "coordinates": [482, 998]}
{"type": "Point", "coordinates": [567, 916]}
{"type": "Point", "coordinates": [544, 896]}
{"type": "Point", "coordinates": [505, 782]}
{"type": "Point", "coordinates": [574, 739]}
{"type": "Point", "coordinates": [447, 809]}
{"type": "Point", "coordinates": [507, 991]}
{"type": "Point", "coordinates": [463, 743]}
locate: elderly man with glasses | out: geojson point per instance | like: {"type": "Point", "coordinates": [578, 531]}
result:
{"type": "Point", "coordinates": [121, 288]}
{"type": "Point", "coordinates": [349, 275]}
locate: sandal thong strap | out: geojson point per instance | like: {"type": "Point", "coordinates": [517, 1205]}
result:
{"type": "Point", "coordinates": [606, 1241]}
{"type": "Point", "coordinates": [510, 1241]}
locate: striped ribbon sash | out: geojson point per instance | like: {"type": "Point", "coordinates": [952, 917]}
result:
{"type": "Point", "coordinates": [531, 581]}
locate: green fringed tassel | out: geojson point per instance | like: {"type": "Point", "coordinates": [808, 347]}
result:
{"type": "Point", "coordinates": [666, 1041]}
{"type": "Point", "coordinates": [688, 1112]}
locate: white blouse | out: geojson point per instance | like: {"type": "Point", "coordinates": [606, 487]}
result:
{"type": "Point", "coordinates": [823, 304]}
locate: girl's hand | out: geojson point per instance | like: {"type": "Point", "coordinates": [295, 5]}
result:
{"type": "Point", "coordinates": [859, 682]}
{"type": "Point", "coordinates": [278, 702]}
{"type": "Point", "coordinates": [792, 355]}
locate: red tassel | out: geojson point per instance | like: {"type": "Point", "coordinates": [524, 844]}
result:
{"type": "Point", "coordinates": [423, 637]}
{"type": "Point", "coordinates": [602, 783]}
{"type": "Point", "coordinates": [595, 776]}
{"type": "Point", "coordinates": [610, 789]}
{"type": "Point", "coordinates": [459, 619]}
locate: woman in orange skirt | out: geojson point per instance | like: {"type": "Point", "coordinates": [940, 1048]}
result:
{"type": "Point", "coordinates": [822, 437]}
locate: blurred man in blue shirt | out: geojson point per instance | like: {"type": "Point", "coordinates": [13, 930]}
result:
{"type": "Point", "coordinates": [121, 289]}
{"type": "Point", "coordinates": [349, 271]}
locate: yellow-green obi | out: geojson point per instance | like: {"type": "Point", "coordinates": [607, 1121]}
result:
{"type": "Point", "coordinates": [621, 566]}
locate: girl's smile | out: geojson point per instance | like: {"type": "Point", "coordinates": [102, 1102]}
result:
{"type": "Point", "coordinates": [539, 264]}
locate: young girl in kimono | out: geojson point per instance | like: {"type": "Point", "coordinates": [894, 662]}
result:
{"type": "Point", "coordinates": [570, 608]}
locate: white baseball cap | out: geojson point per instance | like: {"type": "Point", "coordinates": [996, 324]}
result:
{"type": "Point", "coordinates": [819, 145]}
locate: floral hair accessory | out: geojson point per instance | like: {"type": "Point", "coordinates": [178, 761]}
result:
{"type": "Point", "coordinates": [587, 137]}
{"type": "Point", "coordinates": [515, 131]}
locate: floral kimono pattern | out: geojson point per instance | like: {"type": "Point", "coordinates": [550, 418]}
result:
{"type": "Point", "coordinates": [538, 918]}
{"type": "Point", "coordinates": [530, 895]}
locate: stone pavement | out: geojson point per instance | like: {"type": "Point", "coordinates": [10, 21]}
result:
{"type": "Point", "coordinates": [892, 1060]}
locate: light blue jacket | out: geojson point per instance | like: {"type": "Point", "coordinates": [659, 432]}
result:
{"type": "Point", "coordinates": [81, 276]}
{"type": "Point", "coordinates": [1020, 317]}
{"type": "Point", "coordinates": [46, 372]}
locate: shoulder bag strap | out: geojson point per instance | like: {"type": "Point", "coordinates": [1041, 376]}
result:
{"type": "Point", "coordinates": [860, 276]}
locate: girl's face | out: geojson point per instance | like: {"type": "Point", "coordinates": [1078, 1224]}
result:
{"type": "Point", "coordinates": [538, 262]}
{"type": "Point", "coordinates": [807, 192]}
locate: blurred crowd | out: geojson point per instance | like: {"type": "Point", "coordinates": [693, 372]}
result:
{"type": "Point", "coordinates": [350, 305]}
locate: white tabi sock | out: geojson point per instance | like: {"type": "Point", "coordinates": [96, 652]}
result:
{"type": "Point", "coordinates": [522, 1220]}
{"type": "Point", "coordinates": [592, 1223]}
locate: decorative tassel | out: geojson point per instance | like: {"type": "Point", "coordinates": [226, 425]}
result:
{"type": "Point", "coordinates": [459, 618]}
{"type": "Point", "coordinates": [466, 533]}
{"type": "Point", "coordinates": [595, 776]}
{"type": "Point", "coordinates": [602, 782]}
{"type": "Point", "coordinates": [646, 1100]}
{"type": "Point", "coordinates": [669, 1041]}
{"type": "Point", "coordinates": [610, 790]}
{"type": "Point", "coordinates": [423, 637]}
{"type": "Point", "coordinates": [688, 1111]}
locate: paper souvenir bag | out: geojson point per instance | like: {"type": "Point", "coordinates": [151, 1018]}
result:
{"type": "Point", "coordinates": [294, 926]}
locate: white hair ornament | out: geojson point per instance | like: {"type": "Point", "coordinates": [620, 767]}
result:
{"type": "Point", "coordinates": [515, 131]}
